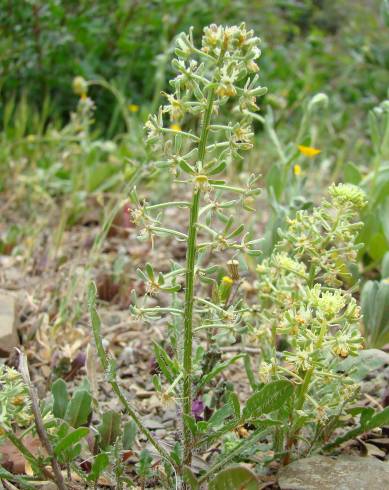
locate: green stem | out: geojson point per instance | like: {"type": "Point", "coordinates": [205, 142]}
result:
{"type": "Point", "coordinates": [189, 289]}
{"type": "Point", "coordinates": [304, 389]}
{"type": "Point", "coordinates": [299, 405]}
{"type": "Point", "coordinates": [188, 323]}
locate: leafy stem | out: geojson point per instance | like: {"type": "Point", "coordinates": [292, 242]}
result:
{"type": "Point", "coordinates": [190, 282]}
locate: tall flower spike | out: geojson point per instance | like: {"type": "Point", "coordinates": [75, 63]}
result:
{"type": "Point", "coordinates": [221, 73]}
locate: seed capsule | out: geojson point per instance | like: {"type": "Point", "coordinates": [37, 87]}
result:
{"type": "Point", "coordinates": [233, 269]}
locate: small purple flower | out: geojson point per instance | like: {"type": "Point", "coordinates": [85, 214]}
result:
{"type": "Point", "coordinates": [198, 409]}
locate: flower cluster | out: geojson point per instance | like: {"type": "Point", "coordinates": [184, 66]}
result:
{"type": "Point", "coordinates": [326, 237]}
{"type": "Point", "coordinates": [227, 57]}
{"type": "Point", "coordinates": [14, 400]}
{"type": "Point", "coordinates": [302, 304]}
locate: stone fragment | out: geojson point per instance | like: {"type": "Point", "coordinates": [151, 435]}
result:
{"type": "Point", "coordinates": [8, 328]}
{"type": "Point", "coordinates": [347, 472]}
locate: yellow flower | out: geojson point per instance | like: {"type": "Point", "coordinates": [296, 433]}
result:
{"type": "Point", "coordinates": [18, 400]}
{"type": "Point", "coordinates": [297, 170]}
{"type": "Point", "coordinates": [386, 281]}
{"type": "Point", "coordinates": [133, 108]}
{"type": "Point", "coordinates": [308, 151]}
{"type": "Point", "coordinates": [227, 280]}
{"type": "Point", "coordinates": [175, 127]}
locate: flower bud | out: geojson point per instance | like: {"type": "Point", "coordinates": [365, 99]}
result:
{"type": "Point", "coordinates": [318, 101]}
{"type": "Point", "coordinates": [233, 269]}
{"type": "Point", "coordinates": [225, 289]}
{"type": "Point", "coordinates": [80, 86]}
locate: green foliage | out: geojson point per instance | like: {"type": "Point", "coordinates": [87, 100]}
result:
{"type": "Point", "coordinates": [70, 439]}
{"type": "Point", "coordinates": [61, 398]}
{"type": "Point", "coordinates": [109, 429]}
{"type": "Point", "coordinates": [100, 463]}
{"type": "Point", "coordinates": [144, 465]}
{"type": "Point", "coordinates": [46, 44]}
{"type": "Point", "coordinates": [234, 478]}
{"type": "Point", "coordinates": [79, 408]}
{"type": "Point", "coordinates": [269, 398]}
{"type": "Point", "coordinates": [15, 400]}
{"type": "Point", "coordinates": [375, 234]}
{"type": "Point", "coordinates": [369, 420]}
{"type": "Point", "coordinates": [129, 434]}
{"type": "Point", "coordinates": [375, 308]}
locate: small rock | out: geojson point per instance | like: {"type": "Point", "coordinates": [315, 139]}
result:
{"type": "Point", "coordinates": [161, 433]}
{"type": "Point", "coordinates": [343, 473]}
{"type": "Point", "coordinates": [127, 356]}
{"type": "Point", "coordinates": [373, 450]}
{"type": "Point", "coordinates": [169, 415]}
{"type": "Point", "coordinates": [153, 424]}
{"type": "Point", "coordinates": [8, 330]}
{"type": "Point", "coordinates": [49, 486]}
{"type": "Point", "coordinates": [381, 442]}
{"type": "Point", "coordinates": [142, 394]}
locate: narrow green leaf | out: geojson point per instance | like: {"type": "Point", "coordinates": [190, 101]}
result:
{"type": "Point", "coordinates": [129, 435]}
{"type": "Point", "coordinates": [79, 408]}
{"type": "Point", "coordinates": [171, 289]}
{"type": "Point", "coordinates": [149, 271]}
{"type": "Point", "coordinates": [190, 478]}
{"type": "Point", "coordinates": [22, 483]}
{"type": "Point", "coordinates": [352, 174]}
{"type": "Point", "coordinates": [99, 464]}
{"type": "Point", "coordinates": [109, 429]}
{"type": "Point", "coordinates": [220, 415]}
{"type": "Point", "coordinates": [268, 399]}
{"type": "Point", "coordinates": [249, 372]}
{"type": "Point", "coordinates": [60, 394]}
{"type": "Point", "coordinates": [165, 364]}
{"type": "Point", "coordinates": [236, 232]}
{"type": "Point", "coordinates": [385, 266]}
{"type": "Point", "coordinates": [368, 296]}
{"type": "Point", "coordinates": [379, 419]}
{"type": "Point", "coordinates": [274, 181]}
{"type": "Point", "coordinates": [217, 370]}
{"type": "Point", "coordinates": [368, 422]}
{"type": "Point", "coordinates": [382, 306]}
{"type": "Point", "coordinates": [234, 400]}
{"type": "Point", "coordinates": [191, 423]}
{"type": "Point", "coordinates": [70, 439]}
{"type": "Point", "coordinates": [218, 169]}
{"type": "Point", "coordinates": [186, 167]}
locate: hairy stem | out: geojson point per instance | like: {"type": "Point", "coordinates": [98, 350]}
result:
{"type": "Point", "coordinates": [301, 395]}
{"type": "Point", "coordinates": [189, 289]}
{"type": "Point", "coordinates": [39, 425]}
{"type": "Point", "coordinates": [188, 323]}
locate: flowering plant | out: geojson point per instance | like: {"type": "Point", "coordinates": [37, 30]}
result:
{"type": "Point", "coordinates": [222, 74]}
{"type": "Point", "coordinates": [304, 299]}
